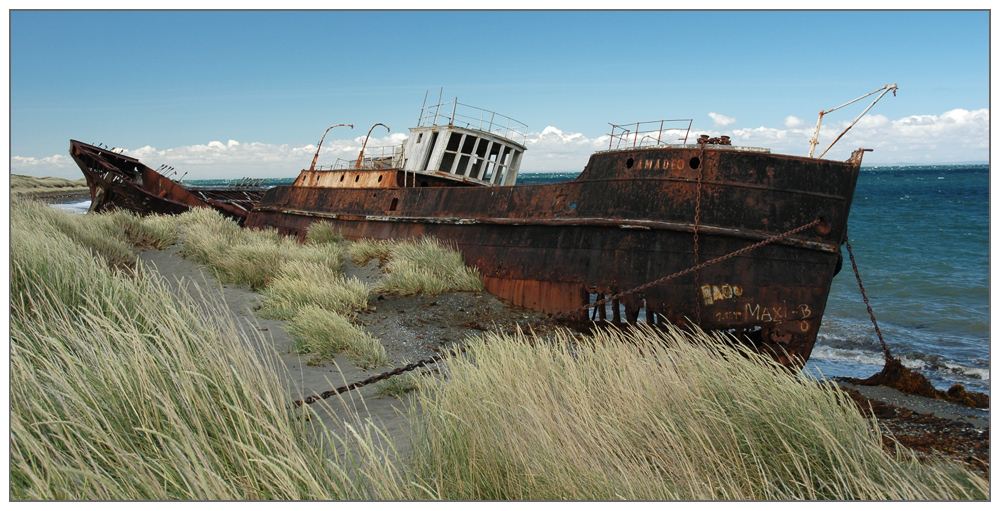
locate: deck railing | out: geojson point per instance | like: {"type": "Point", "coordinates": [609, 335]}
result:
{"type": "Point", "coordinates": [382, 157]}
{"type": "Point", "coordinates": [649, 133]}
{"type": "Point", "coordinates": [454, 113]}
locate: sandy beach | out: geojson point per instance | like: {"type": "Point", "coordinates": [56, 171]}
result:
{"type": "Point", "coordinates": [411, 329]}
{"type": "Point", "coordinates": [418, 327]}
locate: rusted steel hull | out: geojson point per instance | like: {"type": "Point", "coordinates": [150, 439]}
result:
{"type": "Point", "coordinates": [117, 181]}
{"type": "Point", "coordinates": [630, 218]}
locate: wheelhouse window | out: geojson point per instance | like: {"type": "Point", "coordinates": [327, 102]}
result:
{"type": "Point", "coordinates": [469, 155]}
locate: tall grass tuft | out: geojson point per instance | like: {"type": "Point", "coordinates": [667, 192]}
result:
{"type": "Point", "coordinates": [161, 230]}
{"type": "Point", "coordinates": [122, 389]}
{"type": "Point", "coordinates": [653, 415]}
{"type": "Point", "coordinates": [319, 233]}
{"type": "Point", "coordinates": [364, 250]}
{"type": "Point", "coordinates": [328, 255]}
{"type": "Point", "coordinates": [303, 283]}
{"type": "Point", "coordinates": [426, 266]}
{"type": "Point", "coordinates": [317, 330]}
{"type": "Point", "coordinates": [397, 386]}
{"type": "Point", "coordinates": [253, 257]}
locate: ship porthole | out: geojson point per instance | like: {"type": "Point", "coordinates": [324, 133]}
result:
{"type": "Point", "coordinates": [341, 177]}
{"type": "Point", "coordinates": [356, 178]}
{"type": "Point", "coordinates": [572, 205]}
{"type": "Point", "coordinates": [629, 163]}
{"type": "Point", "coordinates": [393, 204]}
{"type": "Point", "coordinates": [695, 162]}
{"type": "Point", "coordinates": [380, 179]}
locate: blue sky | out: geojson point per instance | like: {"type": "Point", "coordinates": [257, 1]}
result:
{"type": "Point", "coordinates": [232, 94]}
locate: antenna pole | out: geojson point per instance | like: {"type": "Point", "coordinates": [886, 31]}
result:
{"type": "Point", "coordinates": [421, 118]}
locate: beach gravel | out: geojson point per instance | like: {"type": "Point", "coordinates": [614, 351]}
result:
{"type": "Point", "coordinates": [417, 327]}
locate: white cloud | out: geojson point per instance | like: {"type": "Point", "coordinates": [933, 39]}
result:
{"type": "Point", "coordinates": [721, 120]}
{"type": "Point", "coordinates": [873, 121]}
{"type": "Point", "coordinates": [954, 136]}
{"type": "Point", "coordinates": [794, 122]}
{"type": "Point", "coordinates": [553, 150]}
{"type": "Point", "coordinates": [24, 163]}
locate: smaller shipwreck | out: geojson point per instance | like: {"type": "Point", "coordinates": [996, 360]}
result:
{"type": "Point", "coordinates": [117, 181]}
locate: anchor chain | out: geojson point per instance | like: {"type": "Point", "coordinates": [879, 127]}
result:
{"type": "Point", "coordinates": [437, 358]}
{"type": "Point", "coordinates": [373, 379]}
{"type": "Point", "coordinates": [697, 215]}
{"type": "Point", "coordinates": [864, 295]}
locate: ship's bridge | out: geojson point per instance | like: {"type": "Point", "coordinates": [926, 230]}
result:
{"type": "Point", "coordinates": [467, 143]}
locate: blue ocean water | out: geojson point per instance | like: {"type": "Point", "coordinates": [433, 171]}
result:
{"type": "Point", "coordinates": [920, 236]}
{"type": "Point", "coordinates": [921, 239]}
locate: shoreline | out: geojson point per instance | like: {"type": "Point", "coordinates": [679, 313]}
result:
{"type": "Point", "coordinates": [978, 418]}
{"type": "Point", "coordinates": [413, 328]}
{"type": "Point", "coordinates": [416, 327]}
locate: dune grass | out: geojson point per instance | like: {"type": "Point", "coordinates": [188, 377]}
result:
{"type": "Point", "coordinates": [122, 389]}
{"type": "Point", "coordinates": [113, 236]}
{"type": "Point", "coordinates": [397, 386]}
{"type": "Point", "coordinates": [364, 251]}
{"type": "Point", "coordinates": [326, 333]}
{"type": "Point", "coordinates": [322, 232]}
{"type": "Point", "coordinates": [253, 257]}
{"type": "Point", "coordinates": [302, 283]}
{"type": "Point", "coordinates": [427, 266]}
{"type": "Point", "coordinates": [420, 266]}
{"type": "Point", "coordinates": [653, 415]}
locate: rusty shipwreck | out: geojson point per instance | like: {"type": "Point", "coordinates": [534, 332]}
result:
{"type": "Point", "coordinates": [118, 181]}
{"type": "Point", "coordinates": [652, 204]}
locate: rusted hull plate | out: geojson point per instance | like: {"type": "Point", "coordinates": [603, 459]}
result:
{"type": "Point", "coordinates": [629, 219]}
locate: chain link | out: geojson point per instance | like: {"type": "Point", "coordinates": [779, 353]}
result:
{"type": "Point", "coordinates": [555, 317]}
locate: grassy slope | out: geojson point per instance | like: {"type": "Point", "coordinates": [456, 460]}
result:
{"type": "Point", "coordinates": [30, 184]}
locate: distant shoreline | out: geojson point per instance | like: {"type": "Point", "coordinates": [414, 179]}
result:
{"type": "Point", "coordinates": [55, 197]}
